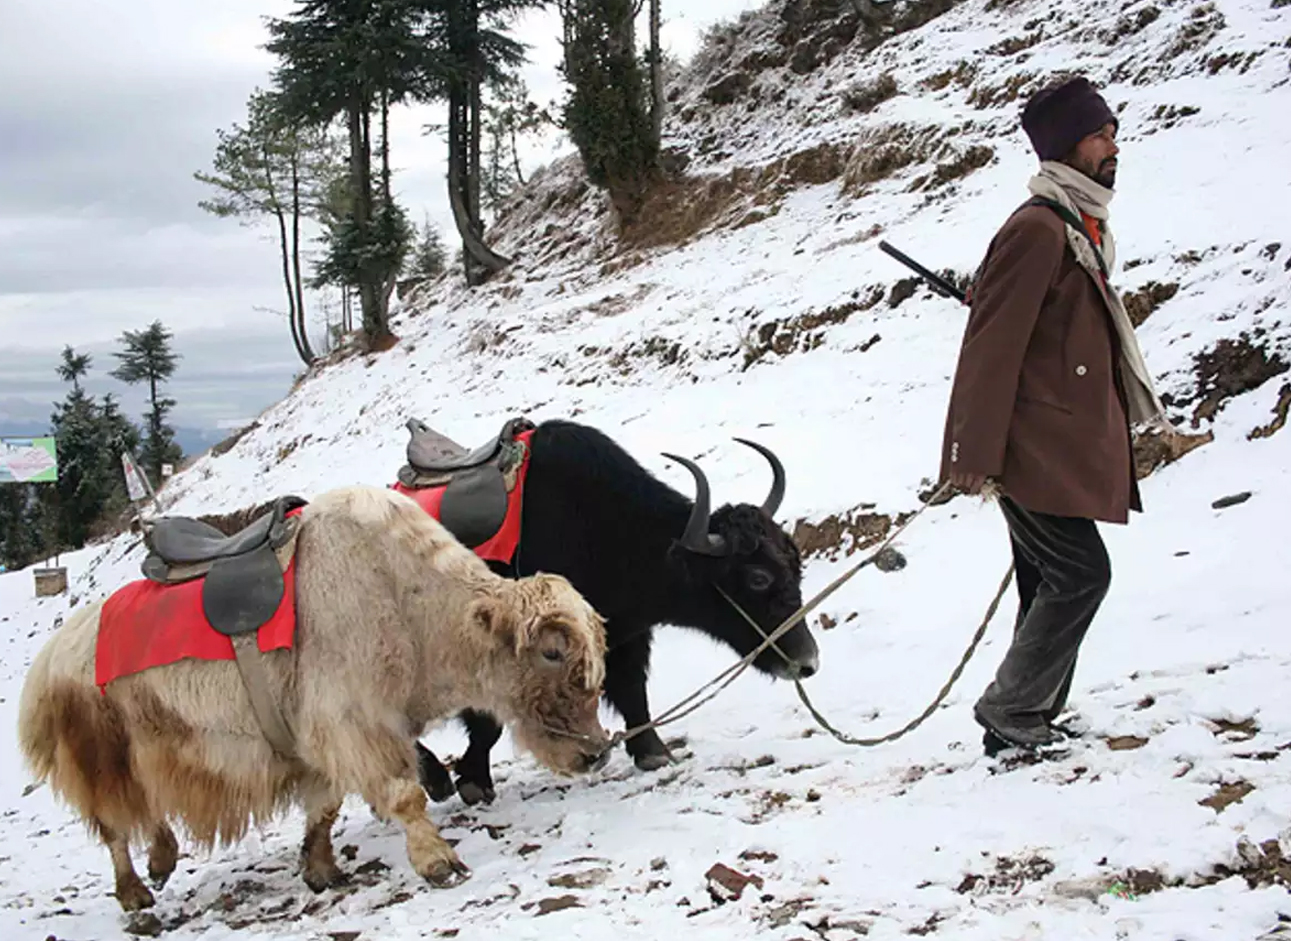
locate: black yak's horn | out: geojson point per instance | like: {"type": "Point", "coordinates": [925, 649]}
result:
{"type": "Point", "coordinates": [772, 502]}
{"type": "Point", "coordinates": [697, 538]}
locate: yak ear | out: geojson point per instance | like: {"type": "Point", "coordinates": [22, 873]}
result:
{"type": "Point", "coordinates": [495, 617]}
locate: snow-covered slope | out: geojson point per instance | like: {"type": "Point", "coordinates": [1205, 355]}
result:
{"type": "Point", "coordinates": [753, 301]}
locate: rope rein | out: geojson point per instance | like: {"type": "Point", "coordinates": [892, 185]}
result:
{"type": "Point", "coordinates": [710, 690]}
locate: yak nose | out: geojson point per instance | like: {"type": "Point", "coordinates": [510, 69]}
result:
{"type": "Point", "coordinates": [596, 761]}
{"type": "Point", "coordinates": [809, 666]}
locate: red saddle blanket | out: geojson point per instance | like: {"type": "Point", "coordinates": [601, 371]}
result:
{"type": "Point", "coordinates": [145, 624]}
{"type": "Point", "coordinates": [501, 546]}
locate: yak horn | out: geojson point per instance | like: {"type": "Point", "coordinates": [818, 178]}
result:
{"type": "Point", "coordinates": [697, 538]}
{"type": "Point", "coordinates": [772, 502]}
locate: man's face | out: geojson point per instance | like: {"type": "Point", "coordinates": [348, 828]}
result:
{"type": "Point", "coordinates": [1095, 156]}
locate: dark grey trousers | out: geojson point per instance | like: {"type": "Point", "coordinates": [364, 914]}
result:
{"type": "Point", "coordinates": [1063, 574]}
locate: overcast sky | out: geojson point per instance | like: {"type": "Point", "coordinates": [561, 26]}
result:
{"type": "Point", "coordinates": [107, 111]}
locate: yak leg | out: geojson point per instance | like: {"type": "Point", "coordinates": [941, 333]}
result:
{"type": "Point", "coordinates": [163, 854]}
{"type": "Point", "coordinates": [625, 687]}
{"type": "Point", "coordinates": [474, 779]}
{"type": "Point", "coordinates": [322, 805]}
{"type": "Point", "coordinates": [431, 857]}
{"type": "Point", "coordinates": [433, 775]}
{"type": "Point", "coordinates": [131, 893]}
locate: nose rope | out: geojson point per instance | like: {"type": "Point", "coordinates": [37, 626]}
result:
{"type": "Point", "coordinates": [717, 684]}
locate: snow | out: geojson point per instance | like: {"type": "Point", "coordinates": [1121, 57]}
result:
{"type": "Point", "coordinates": [879, 842]}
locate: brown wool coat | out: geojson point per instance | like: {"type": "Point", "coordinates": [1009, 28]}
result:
{"type": "Point", "coordinates": [1036, 401]}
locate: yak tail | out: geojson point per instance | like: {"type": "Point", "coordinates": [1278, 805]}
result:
{"type": "Point", "coordinates": [37, 725]}
{"type": "Point", "coordinates": [73, 737]}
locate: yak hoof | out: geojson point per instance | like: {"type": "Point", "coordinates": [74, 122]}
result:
{"type": "Point", "coordinates": [653, 761]}
{"type": "Point", "coordinates": [133, 895]}
{"type": "Point", "coordinates": [441, 789]}
{"type": "Point", "coordinates": [472, 793]}
{"type": "Point", "coordinates": [447, 873]}
{"type": "Point", "coordinates": [321, 878]}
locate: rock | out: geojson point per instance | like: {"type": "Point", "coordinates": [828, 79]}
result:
{"type": "Point", "coordinates": [1126, 742]}
{"type": "Point", "coordinates": [559, 903]}
{"type": "Point", "coordinates": [726, 884]}
{"type": "Point", "coordinates": [144, 924]}
{"type": "Point", "coordinates": [1233, 500]}
{"type": "Point", "coordinates": [579, 880]}
{"type": "Point", "coordinates": [728, 88]}
{"type": "Point", "coordinates": [889, 560]}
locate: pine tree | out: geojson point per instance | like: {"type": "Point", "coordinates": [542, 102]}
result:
{"type": "Point", "coordinates": [355, 59]}
{"type": "Point", "coordinates": [149, 358]}
{"type": "Point", "coordinates": [608, 112]}
{"type": "Point", "coordinates": [90, 438]}
{"type": "Point", "coordinates": [20, 536]}
{"type": "Point", "coordinates": [277, 169]}
{"type": "Point", "coordinates": [73, 367]}
{"type": "Point", "coordinates": [429, 257]}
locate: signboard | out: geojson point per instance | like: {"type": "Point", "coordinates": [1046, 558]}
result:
{"type": "Point", "coordinates": [136, 484]}
{"type": "Point", "coordinates": [28, 460]}
{"type": "Point", "coordinates": [167, 470]}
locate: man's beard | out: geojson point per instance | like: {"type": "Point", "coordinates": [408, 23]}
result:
{"type": "Point", "coordinates": [1105, 174]}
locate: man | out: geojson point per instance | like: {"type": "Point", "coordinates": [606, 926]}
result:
{"type": "Point", "coordinates": [1049, 380]}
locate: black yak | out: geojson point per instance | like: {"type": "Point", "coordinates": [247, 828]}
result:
{"type": "Point", "coordinates": [643, 555]}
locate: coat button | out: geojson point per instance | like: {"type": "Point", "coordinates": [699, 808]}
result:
{"type": "Point", "coordinates": [1081, 370]}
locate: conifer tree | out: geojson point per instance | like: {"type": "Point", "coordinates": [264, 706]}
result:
{"type": "Point", "coordinates": [148, 357]}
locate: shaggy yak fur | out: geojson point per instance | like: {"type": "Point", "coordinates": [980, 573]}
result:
{"type": "Point", "coordinates": [398, 625]}
{"type": "Point", "coordinates": [593, 514]}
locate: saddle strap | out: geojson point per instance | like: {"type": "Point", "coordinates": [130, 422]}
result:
{"type": "Point", "coordinates": [263, 702]}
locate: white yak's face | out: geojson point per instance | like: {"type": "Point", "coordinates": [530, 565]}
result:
{"type": "Point", "coordinates": [558, 640]}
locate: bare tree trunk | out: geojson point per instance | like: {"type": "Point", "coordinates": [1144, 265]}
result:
{"type": "Point", "coordinates": [302, 329]}
{"type": "Point", "coordinates": [656, 73]}
{"type": "Point", "coordinates": [284, 249]}
{"type": "Point", "coordinates": [515, 155]}
{"type": "Point", "coordinates": [374, 325]}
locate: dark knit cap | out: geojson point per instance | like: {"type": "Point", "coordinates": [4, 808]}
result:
{"type": "Point", "coordinates": [1061, 116]}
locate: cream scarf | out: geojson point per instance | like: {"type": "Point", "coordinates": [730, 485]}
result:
{"type": "Point", "coordinates": [1077, 192]}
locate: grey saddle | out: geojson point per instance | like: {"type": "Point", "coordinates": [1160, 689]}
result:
{"type": "Point", "coordinates": [432, 452]}
{"type": "Point", "coordinates": [243, 581]}
{"type": "Point", "coordinates": [477, 483]}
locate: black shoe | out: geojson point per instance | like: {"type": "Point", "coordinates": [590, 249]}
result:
{"type": "Point", "coordinates": [1033, 734]}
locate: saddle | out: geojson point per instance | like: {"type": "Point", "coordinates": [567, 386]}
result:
{"type": "Point", "coordinates": [476, 482]}
{"type": "Point", "coordinates": [243, 571]}
{"type": "Point", "coordinates": [242, 588]}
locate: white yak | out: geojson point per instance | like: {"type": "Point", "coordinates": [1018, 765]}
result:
{"type": "Point", "coordinates": [398, 626]}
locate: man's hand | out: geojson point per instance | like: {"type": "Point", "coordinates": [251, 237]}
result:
{"type": "Point", "coordinates": [971, 484]}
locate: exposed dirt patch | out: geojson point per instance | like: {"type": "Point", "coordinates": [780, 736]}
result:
{"type": "Point", "coordinates": [228, 443]}
{"type": "Point", "coordinates": [1236, 731]}
{"type": "Point", "coordinates": [1008, 876]}
{"type": "Point", "coordinates": [681, 207]}
{"type": "Point", "coordinates": [864, 97]}
{"type": "Point", "coordinates": [230, 523]}
{"type": "Point", "coordinates": [1227, 795]}
{"type": "Point", "coordinates": [1126, 743]}
{"type": "Point", "coordinates": [1167, 116]}
{"type": "Point", "coordinates": [882, 151]}
{"type": "Point", "coordinates": [804, 332]}
{"type": "Point", "coordinates": [1006, 92]}
{"type": "Point", "coordinates": [843, 534]}
{"type": "Point", "coordinates": [1279, 412]}
{"type": "Point", "coordinates": [1204, 24]}
{"type": "Point", "coordinates": [1231, 368]}
{"type": "Point", "coordinates": [726, 884]}
{"type": "Point", "coordinates": [973, 158]}
{"type": "Point", "coordinates": [961, 75]}
{"type": "Point", "coordinates": [1141, 304]}
{"type": "Point", "coordinates": [1154, 449]}
{"type": "Point", "coordinates": [1015, 44]}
